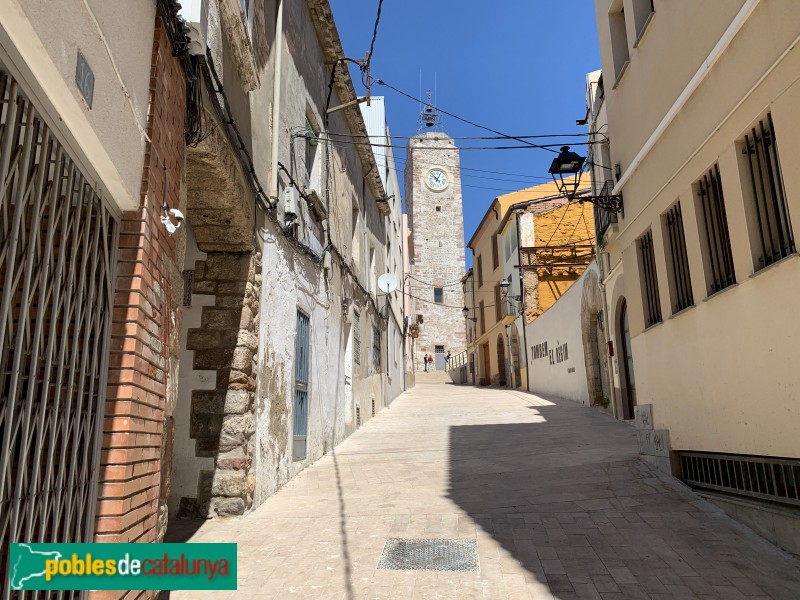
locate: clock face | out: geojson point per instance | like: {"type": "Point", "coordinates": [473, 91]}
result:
{"type": "Point", "coordinates": [436, 180]}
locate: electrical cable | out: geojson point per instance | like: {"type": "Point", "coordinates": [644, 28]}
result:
{"type": "Point", "coordinates": [478, 125]}
{"type": "Point", "coordinates": [399, 159]}
{"type": "Point", "coordinates": [462, 119]}
{"type": "Point", "coordinates": [469, 137]}
{"type": "Point", "coordinates": [466, 148]}
{"type": "Point", "coordinates": [543, 180]}
{"type": "Point", "coordinates": [468, 185]}
{"type": "Point", "coordinates": [374, 34]}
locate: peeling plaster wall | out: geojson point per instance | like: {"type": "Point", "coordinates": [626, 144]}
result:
{"type": "Point", "coordinates": [292, 282]}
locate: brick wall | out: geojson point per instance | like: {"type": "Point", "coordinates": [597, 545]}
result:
{"type": "Point", "coordinates": [146, 318]}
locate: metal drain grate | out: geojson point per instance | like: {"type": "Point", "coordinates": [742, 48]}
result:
{"type": "Point", "coordinates": [454, 554]}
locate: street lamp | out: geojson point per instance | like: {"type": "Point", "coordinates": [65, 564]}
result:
{"type": "Point", "coordinates": [465, 312]}
{"type": "Point", "coordinates": [568, 165]}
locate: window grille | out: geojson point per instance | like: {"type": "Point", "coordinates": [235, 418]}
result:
{"type": "Point", "coordinates": [438, 295]}
{"type": "Point", "coordinates": [769, 195]}
{"type": "Point", "coordinates": [762, 477]}
{"type": "Point", "coordinates": [376, 349]}
{"type": "Point", "coordinates": [652, 304]}
{"type": "Point", "coordinates": [682, 283]}
{"type": "Point", "coordinates": [58, 242]}
{"type": "Point", "coordinates": [718, 239]}
{"type": "Point", "coordinates": [357, 338]}
{"type": "Point", "coordinates": [302, 359]}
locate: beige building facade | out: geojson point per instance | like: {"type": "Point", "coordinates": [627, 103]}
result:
{"type": "Point", "coordinates": [701, 272]}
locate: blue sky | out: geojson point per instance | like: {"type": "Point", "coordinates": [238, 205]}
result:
{"type": "Point", "coordinates": [517, 66]}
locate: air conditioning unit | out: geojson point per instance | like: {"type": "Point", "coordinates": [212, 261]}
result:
{"type": "Point", "coordinates": [290, 201]}
{"type": "Point", "coordinates": [195, 14]}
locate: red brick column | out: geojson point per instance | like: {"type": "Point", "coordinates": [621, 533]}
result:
{"type": "Point", "coordinates": [135, 461]}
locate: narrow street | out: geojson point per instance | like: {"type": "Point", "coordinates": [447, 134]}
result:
{"type": "Point", "coordinates": [553, 492]}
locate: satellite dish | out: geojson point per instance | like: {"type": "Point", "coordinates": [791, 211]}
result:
{"type": "Point", "coordinates": [387, 283]}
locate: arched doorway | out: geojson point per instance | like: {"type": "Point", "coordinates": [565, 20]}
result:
{"type": "Point", "coordinates": [627, 380]}
{"type": "Point", "coordinates": [515, 357]}
{"type": "Point", "coordinates": [593, 326]}
{"type": "Point", "coordinates": [501, 360]}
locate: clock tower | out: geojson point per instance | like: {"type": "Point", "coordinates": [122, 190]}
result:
{"type": "Point", "coordinates": [435, 218]}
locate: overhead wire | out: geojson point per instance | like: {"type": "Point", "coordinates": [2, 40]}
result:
{"type": "Point", "coordinates": [484, 127]}
{"type": "Point", "coordinates": [465, 148]}
{"type": "Point", "coordinates": [468, 185]}
{"type": "Point", "coordinates": [374, 33]}
{"type": "Point", "coordinates": [473, 137]}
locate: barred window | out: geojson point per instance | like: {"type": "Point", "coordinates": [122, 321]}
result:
{"type": "Point", "coordinates": [376, 349]}
{"type": "Point", "coordinates": [678, 261]}
{"type": "Point", "coordinates": [647, 263]}
{"type": "Point", "coordinates": [357, 338]}
{"type": "Point", "coordinates": [774, 239]}
{"type": "Point", "coordinates": [718, 256]}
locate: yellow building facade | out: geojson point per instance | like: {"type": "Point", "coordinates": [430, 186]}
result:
{"type": "Point", "coordinates": [538, 243]}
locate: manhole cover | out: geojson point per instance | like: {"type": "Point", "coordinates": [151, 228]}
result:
{"type": "Point", "coordinates": [459, 554]}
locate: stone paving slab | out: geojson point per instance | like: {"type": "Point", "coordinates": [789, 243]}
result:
{"type": "Point", "coordinates": [552, 492]}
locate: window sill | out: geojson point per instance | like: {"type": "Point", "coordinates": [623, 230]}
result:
{"type": "Point", "coordinates": [644, 29]}
{"type": "Point", "coordinates": [621, 74]}
{"type": "Point", "coordinates": [720, 292]}
{"type": "Point", "coordinates": [785, 259]}
{"type": "Point", "coordinates": [653, 326]}
{"type": "Point", "coordinates": [681, 312]}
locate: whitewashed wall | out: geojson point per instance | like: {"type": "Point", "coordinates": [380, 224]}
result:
{"type": "Point", "coordinates": [561, 370]}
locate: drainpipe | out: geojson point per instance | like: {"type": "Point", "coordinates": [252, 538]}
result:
{"type": "Point", "coordinates": [276, 102]}
{"type": "Point", "coordinates": [522, 294]}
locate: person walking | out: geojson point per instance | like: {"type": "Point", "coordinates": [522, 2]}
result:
{"type": "Point", "coordinates": [447, 361]}
{"type": "Point", "coordinates": [425, 362]}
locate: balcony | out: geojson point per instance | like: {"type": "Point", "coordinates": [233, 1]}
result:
{"type": "Point", "coordinates": [603, 219]}
{"type": "Point", "coordinates": [509, 310]}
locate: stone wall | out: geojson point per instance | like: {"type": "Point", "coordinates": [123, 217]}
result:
{"type": "Point", "coordinates": [222, 419]}
{"type": "Point", "coordinates": [437, 228]}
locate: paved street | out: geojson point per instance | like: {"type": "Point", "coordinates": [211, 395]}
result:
{"type": "Point", "coordinates": [553, 492]}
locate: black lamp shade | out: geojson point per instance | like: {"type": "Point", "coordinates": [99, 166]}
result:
{"type": "Point", "coordinates": [567, 163]}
